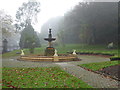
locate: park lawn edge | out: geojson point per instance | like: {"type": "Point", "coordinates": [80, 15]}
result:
{"type": "Point", "coordinates": [99, 65]}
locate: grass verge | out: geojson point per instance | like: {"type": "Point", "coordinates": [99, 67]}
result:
{"type": "Point", "coordinates": [87, 49]}
{"type": "Point", "coordinates": [44, 77]}
{"type": "Point", "coordinates": [26, 51]}
{"type": "Point", "coordinates": [98, 66]}
{"type": "Point", "coordinates": [68, 48]}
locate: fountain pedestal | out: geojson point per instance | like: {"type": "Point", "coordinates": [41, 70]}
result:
{"type": "Point", "coordinates": [49, 51]}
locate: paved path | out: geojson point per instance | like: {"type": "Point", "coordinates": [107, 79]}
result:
{"type": "Point", "coordinates": [93, 79]}
{"type": "Point", "coordinates": [13, 62]}
{"type": "Point", "coordinates": [89, 59]}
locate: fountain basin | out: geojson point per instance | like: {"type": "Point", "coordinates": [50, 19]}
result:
{"type": "Point", "coordinates": [59, 58]}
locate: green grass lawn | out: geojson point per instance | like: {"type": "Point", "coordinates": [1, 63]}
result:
{"type": "Point", "coordinates": [86, 48]}
{"type": "Point", "coordinates": [42, 77]}
{"type": "Point", "coordinates": [69, 48]}
{"type": "Point", "coordinates": [26, 51]}
{"type": "Point", "coordinates": [98, 66]}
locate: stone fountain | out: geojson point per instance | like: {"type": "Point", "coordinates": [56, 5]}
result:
{"type": "Point", "coordinates": [50, 53]}
{"type": "Point", "coordinates": [49, 50]}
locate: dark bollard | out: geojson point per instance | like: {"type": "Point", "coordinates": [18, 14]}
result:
{"type": "Point", "coordinates": [4, 46]}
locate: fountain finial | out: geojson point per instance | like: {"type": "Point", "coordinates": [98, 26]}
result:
{"type": "Point", "coordinates": [50, 30]}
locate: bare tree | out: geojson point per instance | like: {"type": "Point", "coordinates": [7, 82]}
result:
{"type": "Point", "coordinates": [27, 13]}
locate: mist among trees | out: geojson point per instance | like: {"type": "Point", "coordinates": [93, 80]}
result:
{"type": "Point", "coordinates": [87, 23]}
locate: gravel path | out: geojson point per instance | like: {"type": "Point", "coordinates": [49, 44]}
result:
{"type": "Point", "coordinates": [93, 79]}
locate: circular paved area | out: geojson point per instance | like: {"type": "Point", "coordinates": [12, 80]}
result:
{"type": "Point", "coordinates": [13, 62]}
